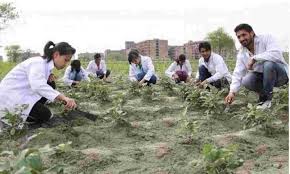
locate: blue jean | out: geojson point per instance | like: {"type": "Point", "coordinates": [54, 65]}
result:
{"type": "Point", "coordinates": [204, 74]}
{"type": "Point", "coordinates": [274, 75]}
{"type": "Point", "coordinates": [152, 80]}
{"type": "Point", "coordinates": [73, 75]}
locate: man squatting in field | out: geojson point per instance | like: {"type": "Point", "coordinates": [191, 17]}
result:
{"type": "Point", "coordinates": [260, 66]}
{"type": "Point", "coordinates": [141, 68]}
{"type": "Point", "coordinates": [97, 68]}
{"type": "Point", "coordinates": [212, 68]}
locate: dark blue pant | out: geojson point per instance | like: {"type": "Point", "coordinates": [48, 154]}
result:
{"type": "Point", "coordinates": [204, 74]}
{"type": "Point", "coordinates": [274, 75]}
{"type": "Point", "coordinates": [152, 80]}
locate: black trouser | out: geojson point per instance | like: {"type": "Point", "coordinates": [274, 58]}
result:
{"type": "Point", "coordinates": [204, 74]}
{"type": "Point", "coordinates": [101, 74]}
{"type": "Point", "coordinates": [39, 112]}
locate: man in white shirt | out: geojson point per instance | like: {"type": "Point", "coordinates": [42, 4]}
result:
{"type": "Point", "coordinates": [211, 68]}
{"type": "Point", "coordinates": [141, 68]}
{"type": "Point", "coordinates": [180, 70]}
{"type": "Point", "coordinates": [97, 68]}
{"type": "Point", "coordinates": [260, 66]}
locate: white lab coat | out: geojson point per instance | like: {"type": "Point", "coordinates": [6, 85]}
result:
{"type": "Point", "coordinates": [92, 67]}
{"type": "Point", "coordinates": [216, 66]}
{"type": "Point", "coordinates": [147, 66]}
{"type": "Point", "coordinates": [266, 49]}
{"type": "Point", "coordinates": [174, 67]}
{"type": "Point", "coordinates": [68, 81]}
{"type": "Point", "coordinates": [26, 83]}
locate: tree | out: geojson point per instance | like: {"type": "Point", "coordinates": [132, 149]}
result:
{"type": "Point", "coordinates": [7, 13]}
{"type": "Point", "coordinates": [27, 54]}
{"type": "Point", "coordinates": [221, 42]}
{"type": "Point", "coordinates": [13, 53]}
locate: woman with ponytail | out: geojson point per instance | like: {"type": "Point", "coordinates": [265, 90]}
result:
{"type": "Point", "coordinates": [30, 84]}
{"type": "Point", "coordinates": [75, 73]}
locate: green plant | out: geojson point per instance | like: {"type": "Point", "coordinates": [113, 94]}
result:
{"type": "Point", "coordinates": [117, 112]}
{"type": "Point", "coordinates": [193, 96]}
{"type": "Point", "coordinates": [167, 85]}
{"type": "Point", "coordinates": [134, 88]}
{"type": "Point", "coordinates": [102, 93]}
{"type": "Point", "coordinates": [120, 99]}
{"type": "Point", "coordinates": [220, 160]}
{"type": "Point", "coordinates": [185, 91]}
{"type": "Point", "coordinates": [95, 90]}
{"type": "Point", "coordinates": [148, 93]}
{"type": "Point", "coordinates": [121, 83]}
{"type": "Point", "coordinates": [188, 125]}
{"type": "Point", "coordinates": [72, 93]}
{"type": "Point", "coordinates": [281, 97]}
{"type": "Point", "coordinates": [254, 116]}
{"type": "Point", "coordinates": [29, 161]}
{"type": "Point", "coordinates": [14, 120]}
{"type": "Point", "coordinates": [212, 101]}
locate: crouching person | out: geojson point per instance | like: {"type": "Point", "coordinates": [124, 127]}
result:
{"type": "Point", "coordinates": [211, 68]}
{"type": "Point", "coordinates": [30, 83]}
{"type": "Point", "coordinates": [75, 73]}
{"type": "Point", "coordinates": [180, 70]}
{"type": "Point", "coordinates": [141, 69]}
{"type": "Point", "coordinates": [97, 68]}
{"type": "Point", "coordinates": [260, 66]}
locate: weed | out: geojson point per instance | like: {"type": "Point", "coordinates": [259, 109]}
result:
{"type": "Point", "coordinates": [220, 160]}
{"type": "Point", "coordinates": [14, 120]}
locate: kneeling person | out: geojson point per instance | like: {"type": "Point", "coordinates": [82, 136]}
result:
{"type": "Point", "coordinates": [180, 70]}
{"type": "Point", "coordinates": [97, 68]}
{"type": "Point", "coordinates": [211, 68]}
{"type": "Point", "coordinates": [141, 68]}
{"type": "Point", "coordinates": [75, 73]}
{"type": "Point", "coordinates": [31, 83]}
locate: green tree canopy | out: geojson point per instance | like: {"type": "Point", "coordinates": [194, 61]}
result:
{"type": "Point", "coordinates": [7, 13]}
{"type": "Point", "coordinates": [221, 42]}
{"type": "Point", "coordinates": [13, 53]}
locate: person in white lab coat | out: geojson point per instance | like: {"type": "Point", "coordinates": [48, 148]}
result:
{"type": "Point", "coordinates": [75, 73]}
{"type": "Point", "coordinates": [97, 68]}
{"type": "Point", "coordinates": [212, 68]}
{"type": "Point", "coordinates": [180, 70]}
{"type": "Point", "coordinates": [141, 69]}
{"type": "Point", "coordinates": [260, 66]}
{"type": "Point", "coordinates": [27, 84]}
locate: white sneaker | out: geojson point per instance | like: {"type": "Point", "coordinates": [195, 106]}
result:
{"type": "Point", "coordinates": [264, 105]}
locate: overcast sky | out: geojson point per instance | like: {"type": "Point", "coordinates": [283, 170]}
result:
{"type": "Point", "coordinates": [94, 26]}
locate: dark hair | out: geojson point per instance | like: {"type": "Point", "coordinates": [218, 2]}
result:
{"type": "Point", "coordinates": [97, 56]}
{"type": "Point", "coordinates": [205, 45]}
{"type": "Point", "coordinates": [76, 65]}
{"type": "Point", "coordinates": [246, 27]}
{"type": "Point", "coordinates": [133, 54]}
{"type": "Point", "coordinates": [63, 48]}
{"type": "Point", "coordinates": [181, 58]}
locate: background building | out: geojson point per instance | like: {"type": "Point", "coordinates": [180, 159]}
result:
{"type": "Point", "coordinates": [156, 48]}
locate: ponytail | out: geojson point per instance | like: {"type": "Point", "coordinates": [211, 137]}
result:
{"type": "Point", "coordinates": [47, 51]}
{"type": "Point", "coordinates": [63, 48]}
